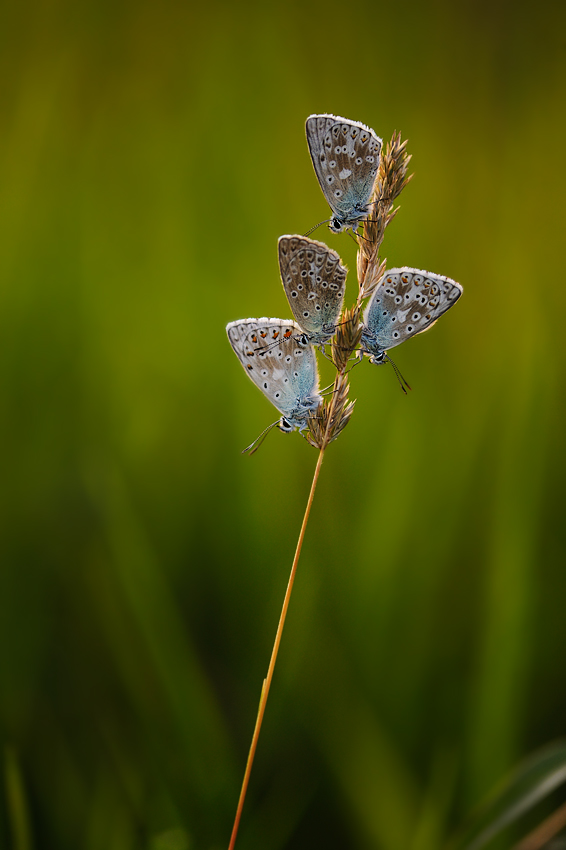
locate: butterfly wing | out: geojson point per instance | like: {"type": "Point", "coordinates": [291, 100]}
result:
{"type": "Point", "coordinates": [407, 302]}
{"type": "Point", "coordinates": [283, 367]}
{"type": "Point", "coordinates": [314, 281]}
{"type": "Point", "coordinates": [345, 155]}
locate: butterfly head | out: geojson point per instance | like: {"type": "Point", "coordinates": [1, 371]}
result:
{"type": "Point", "coordinates": [336, 225]}
{"type": "Point", "coordinates": [285, 426]}
{"type": "Point", "coordinates": [378, 358]}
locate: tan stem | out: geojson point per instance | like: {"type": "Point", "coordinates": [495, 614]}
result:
{"type": "Point", "coordinates": [544, 831]}
{"type": "Point", "coordinates": [267, 681]}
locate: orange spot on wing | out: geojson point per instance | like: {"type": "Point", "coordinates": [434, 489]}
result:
{"type": "Point", "coordinates": [288, 333]}
{"type": "Point", "coordinates": [254, 338]}
{"type": "Point", "coordinates": [275, 334]}
{"type": "Point", "coordinates": [263, 334]}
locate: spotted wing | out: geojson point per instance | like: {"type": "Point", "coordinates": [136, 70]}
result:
{"type": "Point", "coordinates": [345, 155]}
{"type": "Point", "coordinates": [408, 302]}
{"type": "Point", "coordinates": [278, 362]}
{"type": "Point", "coordinates": [314, 281]}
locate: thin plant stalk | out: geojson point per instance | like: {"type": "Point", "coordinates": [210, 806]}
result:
{"type": "Point", "coordinates": [542, 834]}
{"type": "Point", "coordinates": [325, 429]}
{"type": "Point", "coordinates": [267, 681]}
{"type": "Point", "coordinates": [333, 415]}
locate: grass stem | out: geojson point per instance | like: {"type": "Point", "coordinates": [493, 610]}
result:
{"type": "Point", "coordinates": [267, 681]}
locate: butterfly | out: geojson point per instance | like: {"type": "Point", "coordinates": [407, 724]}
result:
{"type": "Point", "coordinates": [345, 155]}
{"type": "Point", "coordinates": [314, 281]}
{"type": "Point", "coordinates": [405, 303]}
{"type": "Point", "coordinates": [286, 373]}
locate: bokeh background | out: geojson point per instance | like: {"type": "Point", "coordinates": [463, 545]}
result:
{"type": "Point", "coordinates": [150, 156]}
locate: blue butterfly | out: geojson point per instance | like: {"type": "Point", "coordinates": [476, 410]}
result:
{"type": "Point", "coordinates": [345, 155]}
{"type": "Point", "coordinates": [279, 359]}
{"type": "Point", "coordinates": [406, 302]}
{"type": "Point", "coordinates": [314, 281]}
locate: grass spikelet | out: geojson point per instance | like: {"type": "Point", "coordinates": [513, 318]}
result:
{"type": "Point", "coordinates": [392, 177]}
{"type": "Point", "coordinates": [332, 416]}
{"type": "Point", "coordinates": [346, 338]}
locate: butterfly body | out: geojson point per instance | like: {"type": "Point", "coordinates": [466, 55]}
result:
{"type": "Point", "coordinates": [345, 156]}
{"type": "Point", "coordinates": [280, 361]}
{"type": "Point", "coordinates": [314, 281]}
{"type": "Point", "coordinates": [406, 302]}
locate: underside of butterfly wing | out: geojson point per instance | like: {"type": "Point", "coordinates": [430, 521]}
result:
{"type": "Point", "coordinates": [314, 281]}
{"type": "Point", "coordinates": [280, 363]}
{"type": "Point", "coordinates": [345, 156]}
{"type": "Point", "coordinates": [406, 302]}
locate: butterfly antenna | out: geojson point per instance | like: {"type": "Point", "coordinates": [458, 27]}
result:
{"type": "Point", "coordinates": [378, 201]}
{"type": "Point", "coordinates": [253, 447]}
{"type": "Point", "coordinates": [279, 341]}
{"type": "Point", "coordinates": [322, 350]}
{"type": "Point", "coordinates": [402, 382]}
{"type": "Point", "coordinates": [354, 236]}
{"type": "Point", "coordinates": [328, 390]}
{"type": "Point", "coordinates": [357, 360]}
{"type": "Point", "coordinates": [268, 347]}
{"type": "Point", "coordinates": [326, 221]}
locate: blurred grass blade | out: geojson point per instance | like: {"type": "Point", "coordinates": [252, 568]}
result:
{"type": "Point", "coordinates": [537, 777]}
{"type": "Point", "coordinates": [546, 830]}
{"type": "Point", "coordinates": [16, 804]}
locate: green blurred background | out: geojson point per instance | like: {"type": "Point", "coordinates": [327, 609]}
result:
{"type": "Point", "coordinates": [150, 156]}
